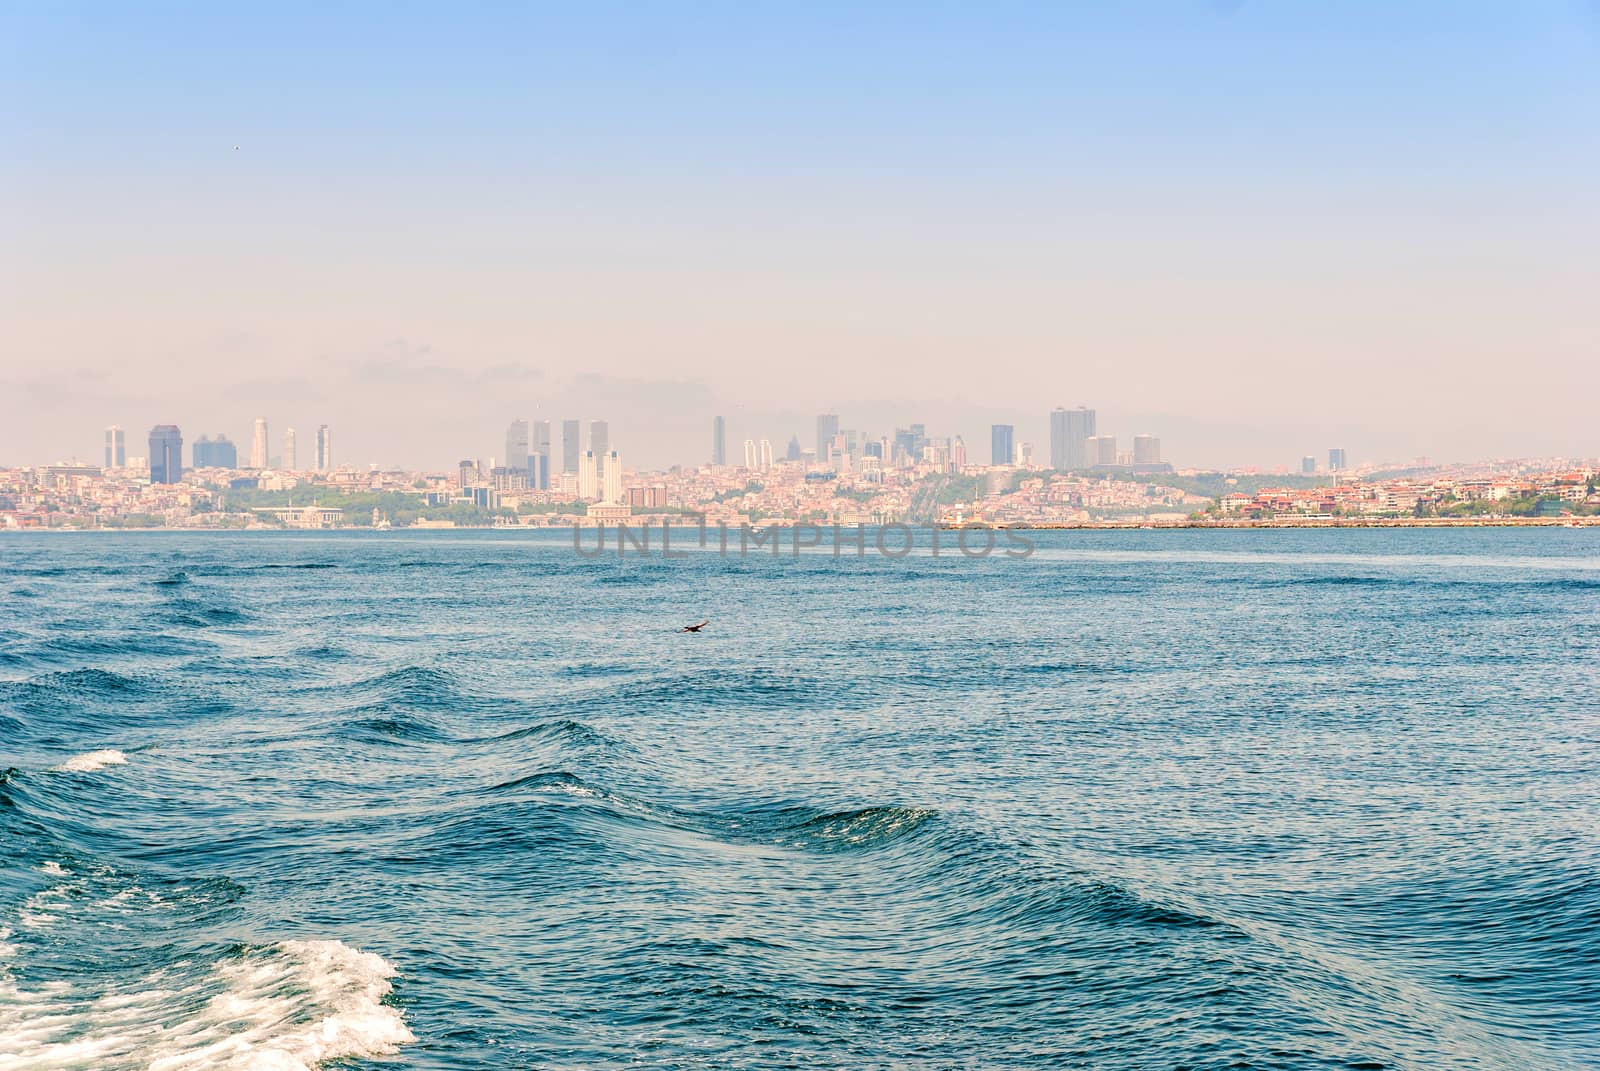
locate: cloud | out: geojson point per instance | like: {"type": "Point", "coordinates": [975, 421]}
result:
{"type": "Point", "coordinates": [401, 363]}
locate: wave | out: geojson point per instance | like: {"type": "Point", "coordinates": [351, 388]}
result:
{"type": "Point", "coordinates": [91, 761]}
{"type": "Point", "coordinates": [292, 1006]}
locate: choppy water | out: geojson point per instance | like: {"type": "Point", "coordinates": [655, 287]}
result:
{"type": "Point", "coordinates": [462, 800]}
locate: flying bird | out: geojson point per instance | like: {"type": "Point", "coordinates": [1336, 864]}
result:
{"type": "Point", "coordinates": [695, 628]}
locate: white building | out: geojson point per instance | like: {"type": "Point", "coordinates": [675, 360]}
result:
{"type": "Point", "coordinates": [588, 475]}
{"type": "Point", "coordinates": [258, 445]}
{"type": "Point", "coordinates": [613, 480]}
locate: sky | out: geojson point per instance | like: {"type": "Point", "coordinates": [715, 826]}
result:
{"type": "Point", "coordinates": [1256, 230]}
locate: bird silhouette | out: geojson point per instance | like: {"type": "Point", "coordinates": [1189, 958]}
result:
{"type": "Point", "coordinates": [695, 628]}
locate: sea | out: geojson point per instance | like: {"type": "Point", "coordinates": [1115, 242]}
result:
{"type": "Point", "coordinates": [1188, 799]}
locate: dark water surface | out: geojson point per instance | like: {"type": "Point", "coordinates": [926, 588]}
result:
{"type": "Point", "coordinates": [463, 800]}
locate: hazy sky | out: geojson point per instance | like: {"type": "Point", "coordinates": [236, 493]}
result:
{"type": "Point", "coordinates": [1254, 229]}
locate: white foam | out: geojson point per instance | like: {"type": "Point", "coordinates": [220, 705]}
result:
{"type": "Point", "coordinates": [290, 1007]}
{"type": "Point", "coordinates": [91, 761]}
{"type": "Point", "coordinates": [53, 868]}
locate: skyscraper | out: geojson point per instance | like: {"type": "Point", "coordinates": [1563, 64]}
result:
{"type": "Point", "coordinates": [1069, 430]}
{"type": "Point", "coordinates": [587, 477]}
{"type": "Point", "coordinates": [324, 449]}
{"type": "Point", "coordinates": [1001, 444]}
{"type": "Point", "coordinates": [1308, 465]}
{"type": "Point", "coordinates": [719, 441]}
{"type": "Point", "coordinates": [765, 455]}
{"type": "Point", "coordinates": [116, 447]}
{"type": "Point", "coordinates": [600, 439]}
{"type": "Point", "coordinates": [218, 453]}
{"type": "Point", "coordinates": [793, 453]}
{"type": "Point", "coordinates": [1146, 450]}
{"type": "Point", "coordinates": [570, 431]}
{"type": "Point", "coordinates": [166, 454]}
{"type": "Point", "coordinates": [258, 445]}
{"type": "Point", "coordinates": [1336, 461]}
{"type": "Point", "coordinates": [291, 456]}
{"type": "Point", "coordinates": [827, 428]}
{"type": "Point", "coordinates": [613, 481]}
{"type": "Point", "coordinates": [539, 460]}
{"type": "Point", "coordinates": [958, 453]}
{"type": "Point", "coordinates": [749, 453]}
{"type": "Point", "coordinates": [517, 446]}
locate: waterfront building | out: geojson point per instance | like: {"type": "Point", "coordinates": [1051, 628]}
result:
{"type": "Point", "coordinates": [166, 454]}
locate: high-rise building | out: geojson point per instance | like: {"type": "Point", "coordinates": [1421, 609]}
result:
{"type": "Point", "coordinates": [116, 447]}
{"type": "Point", "coordinates": [793, 453]}
{"type": "Point", "coordinates": [324, 448]}
{"type": "Point", "coordinates": [166, 454]}
{"type": "Point", "coordinates": [258, 445]}
{"type": "Point", "coordinates": [1100, 451]}
{"type": "Point", "coordinates": [1146, 450]}
{"type": "Point", "coordinates": [1336, 460]}
{"type": "Point", "coordinates": [749, 453]}
{"type": "Point", "coordinates": [467, 474]}
{"type": "Point", "coordinates": [958, 453]}
{"type": "Point", "coordinates": [588, 474]}
{"type": "Point", "coordinates": [1069, 430]}
{"type": "Point", "coordinates": [218, 453]}
{"type": "Point", "coordinates": [719, 441]}
{"type": "Point", "coordinates": [539, 458]}
{"type": "Point", "coordinates": [613, 480]}
{"type": "Point", "coordinates": [1308, 465]}
{"type": "Point", "coordinates": [599, 440]}
{"type": "Point", "coordinates": [827, 428]}
{"type": "Point", "coordinates": [570, 431]}
{"type": "Point", "coordinates": [291, 456]}
{"type": "Point", "coordinates": [1025, 455]}
{"type": "Point", "coordinates": [517, 446]}
{"type": "Point", "coordinates": [765, 455]}
{"type": "Point", "coordinates": [1002, 445]}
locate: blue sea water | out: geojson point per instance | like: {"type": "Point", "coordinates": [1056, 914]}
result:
{"type": "Point", "coordinates": [1187, 799]}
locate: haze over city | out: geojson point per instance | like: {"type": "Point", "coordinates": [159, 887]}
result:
{"type": "Point", "coordinates": [1372, 229]}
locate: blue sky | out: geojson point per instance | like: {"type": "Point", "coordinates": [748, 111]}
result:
{"type": "Point", "coordinates": [1253, 228]}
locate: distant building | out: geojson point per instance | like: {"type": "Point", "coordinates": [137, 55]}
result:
{"type": "Point", "coordinates": [116, 447]}
{"type": "Point", "coordinates": [1002, 444]}
{"type": "Point", "coordinates": [1070, 429]}
{"type": "Point", "coordinates": [1146, 450]}
{"type": "Point", "coordinates": [291, 456]}
{"type": "Point", "coordinates": [749, 453]}
{"type": "Point", "coordinates": [1025, 455]}
{"type": "Point", "coordinates": [765, 454]}
{"type": "Point", "coordinates": [599, 440]}
{"type": "Point", "coordinates": [1308, 464]}
{"type": "Point", "coordinates": [719, 441]}
{"type": "Point", "coordinates": [467, 474]}
{"type": "Point", "coordinates": [588, 473]}
{"type": "Point", "coordinates": [793, 453]}
{"type": "Point", "coordinates": [958, 453]}
{"type": "Point", "coordinates": [539, 458]}
{"type": "Point", "coordinates": [612, 489]}
{"type": "Point", "coordinates": [827, 428]}
{"type": "Point", "coordinates": [258, 445]}
{"type": "Point", "coordinates": [324, 449]}
{"type": "Point", "coordinates": [166, 454]}
{"type": "Point", "coordinates": [570, 431]}
{"type": "Point", "coordinates": [1336, 460]}
{"type": "Point", "coordinates": [218, 453]}
{"type": "Point", "coordinates": [517, 446]}
{"type": "Point", "coordinates": [1101, 450]}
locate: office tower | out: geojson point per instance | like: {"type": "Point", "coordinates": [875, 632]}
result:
{"type": "Point", "coordinates": [1001, 444]}
{"type": "Point", "coordinates": [291, 456]}
{"type": "Point", "coordinates": [613, 480]}
{"type": "Point", "coordinates": [793, 453]}
{"type": "Point", "coordinates": [258, 445]}
{"type": "Point", "coordinates": [587, 476]}
{"type": "Point", "coordinates": [1099, 451]}
{"type": "Point", "coordinates": [1146, 450]}
{"type": "Point", "coordinates": [116, 447]}
{"type": "Point", "coordinates": [765, 457]}
{"type": "Point", "coordinates": [1336, 461]}
{"type": "Point", "coordinates": [958, 453]}
{"type": "Point", "coordinates": [324, 448]}
{"type": "Point", "coordinates": [719, 441]}
{"type": "Point", "coordinates": [569, 446]}
{"type": "Point", "coordinates": [1069, 430]}
{"type": "Point", "coordinates": [1025, 455]}
{"type": "Point", "coordinates": [749, 453]}
{"type": "Point", "coordinates": [599, 440]}
{"type": "Point", "coordinates": [539, 461]}
{"type": "Point", "coordinates": [166, 454]}
{"type": "Point", "coordinates": [218, 453]}
{"type": "Point", "coordinates": [517, 446]}
{"type": "Point", "coordinates": [467, 474]}
{"type": "Point", "coordinates": [827, 428]}
{"type": "Point", "coordinates": [1308, 465]}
